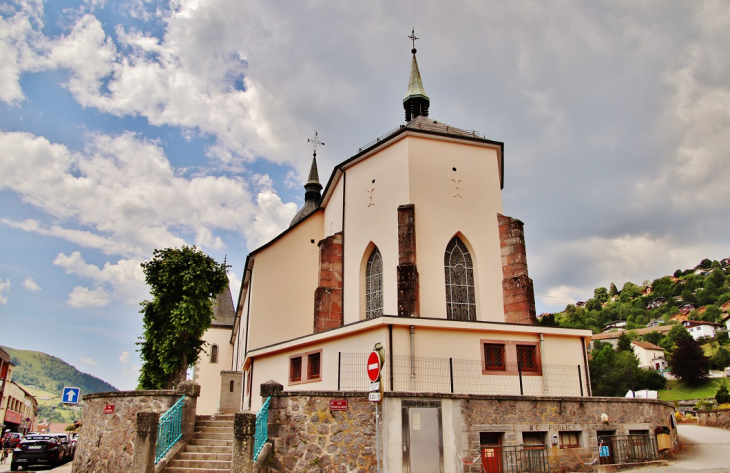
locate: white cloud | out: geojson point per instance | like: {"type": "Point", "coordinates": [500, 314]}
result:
{"type": "Point", "coordinates": [127, 367]}
{"type": "Point", "coordinates": [125, 278]}
{"type": "Point", "coordinates": [82, 297]}
{"type": "Point", "coordinates": [87, 361]}
{"type": "Point", "coordinates": [4, 287]}
{"type": "Point", "coordinates": [30, 285]}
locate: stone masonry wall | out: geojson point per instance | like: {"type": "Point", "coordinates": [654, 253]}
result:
{"type": "Point", "coordinates": [408, 286]}
{"type": "Point", "coordinates": [715, 418]}
{"type": "Point", "coordinates": [307, 436]}
{"type": "Point", "coordinates": [517, 288]}
{"type": "Point", "coordinates": [106, 441]}
{"type": "Point", "coordinates": [328, 295]}
{"type": "Point", "coordinates": [512, 415]}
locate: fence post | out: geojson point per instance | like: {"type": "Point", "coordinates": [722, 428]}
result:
{"type": "Point", "coordinates": [631, 380]}
{"type": "Point", "coordinates": [145, 443]}
{"type": "Point", "coordinates": [451, 373]}
{"type": "Point", "coordinates": [244, 427]}
{"type": "Point", "coordinates": [580, 382]}
{"type": "Point", "coordinates": [339, 364]}
{"type": "Point", "coordinates": [519, 372]}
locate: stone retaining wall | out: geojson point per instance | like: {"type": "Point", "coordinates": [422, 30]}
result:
{"type": "Point", "coordinates": [308, 436]}
{"type": "Point", "coordinates": [715, 418]}
{"type": "Point", "coordinates": [106, 441]}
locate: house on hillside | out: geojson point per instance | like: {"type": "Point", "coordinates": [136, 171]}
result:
{"type": "Point", "coordinates": [650, 356]}
{"type": "Point", "coordinates": [700, 329]}
{"type": "Point", "coordinates": [658, 302]}
{"type": "Point", "coordinates": [612, 337]}
{"type": "Point", "coordinates": [686, 308]}
{"type": "Point", "coordinates": [725, 262]}
{"type": "Point", "coordinates": [614, 325]}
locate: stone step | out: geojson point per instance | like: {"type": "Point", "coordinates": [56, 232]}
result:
{"type": "Point", "coordinates": [218, 417]}
{"type": "Point", "coordinates": [179, 469]}
{"type": "Point", "coordinates": [213, 436]}
{"type": "Point", "coordinates": [214, 423]}
{"type": "Point", "coordinates": [204, 456]}
{"type": "Point", "coordinates": [214, 430]}
{"type": "Point", "coordinates": [209, 464]}
{"type": "Point", "coordinates": [212, 442]}
{"type": "Point", "coordinates": [209, 449]}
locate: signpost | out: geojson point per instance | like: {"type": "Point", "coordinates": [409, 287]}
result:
{"type": "Point", "coordinates": [70, 395]}
{"type": "Point", "coordinates": [375, 394]}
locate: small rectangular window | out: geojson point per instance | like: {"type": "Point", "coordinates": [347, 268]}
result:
{"type": "Point", "coordinates": [569, 439]}
{"type": "Point", "coordinates": [527, 357]}
{"type": "Point", "coordinates": [313, 367]}
{"type": "Point", "coordinates": [533, 439]}
{"type": "Point", "coordinates": [494, 357]}
{"type": "Point", "coordinates": [295, 368]}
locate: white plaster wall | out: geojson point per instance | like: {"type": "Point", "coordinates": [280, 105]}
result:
{"type": "Point", "coordinates": [207, 374]}
{"type": "Point", "coordinates": [441, 214]}
{"type": "Point", "coordinates": [333, 210]}
{"type": "Point", "coordinates": [284, 279]}
{"type": "Point", "coordinates": [374, 220]}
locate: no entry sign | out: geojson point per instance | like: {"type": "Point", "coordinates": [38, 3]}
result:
{"type": "Point", "coordinates": [373, 366]}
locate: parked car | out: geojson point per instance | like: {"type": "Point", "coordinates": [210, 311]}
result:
{"type": "Point", "coordinates": [68, 446]}
{"type": "Point", "coordinates": [37, 450]}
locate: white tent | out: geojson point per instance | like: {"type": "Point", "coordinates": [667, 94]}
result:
{"type": "Point", "coordinates": [642, 394]}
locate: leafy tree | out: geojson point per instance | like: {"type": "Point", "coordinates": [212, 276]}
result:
{"type": "Point", "coordinates": [624, 343]}
{"type": "Point", "coordinates": [601, 294]}
{"type": "Point", "coordinates": [676, 333]}
{"type": "Point", "coordinates": [722, 396]}
{"type": "Point", "coordinates": [594, 304]}
{"type": "Point", "coordinates": [653, 337]}
{"type": "Point", "coordinates": [547, 320]}
{"type": "Point", "coordinates": [182, 283]}
{"type": "Point", "coordinates": [688, 362]}
{"type": "Point", "coordinates": [678, 273]}
{"type": "Point", "coordinates": [687, 296]}
{"type": "Point", "coordinates": [612, 371]}
{"type": "Point", "coordinates": [720, 359]}
{"type": "Point", "coordinates": [712, 313]}
{"type": "Point", "coordinates": [612, 291]}
{"type": "Point", "coordinates": [705, 264]}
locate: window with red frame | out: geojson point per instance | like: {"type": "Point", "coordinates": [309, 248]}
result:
{"type": "Point", "coordinates": [494, 357]}
{"type": "Point", "coordinates": [527, 357]}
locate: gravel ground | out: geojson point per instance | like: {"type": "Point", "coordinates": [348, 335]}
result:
{"type": "Point", "coordinates": [705, 449]}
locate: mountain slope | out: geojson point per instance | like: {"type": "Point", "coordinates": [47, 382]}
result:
{"type": "Point", "coordinates": [51, 374]}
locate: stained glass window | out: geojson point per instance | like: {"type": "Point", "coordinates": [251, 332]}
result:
{"type": "Point", "coordinates": [374, 285]}
{"type": "Point", "coordinates": [460, 301]}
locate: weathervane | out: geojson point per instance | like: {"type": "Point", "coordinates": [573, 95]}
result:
{"type": "Point", "coordinates": [413, 38]}
{"type": "Point", "coordinates": [315, 142]}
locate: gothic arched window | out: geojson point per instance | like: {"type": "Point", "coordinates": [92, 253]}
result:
{"type": "Point", "coordinates": [460, 302]}
{"type": "Point", "coordinates": [214, 354]}
{"type": "Point", "coordinates": [374, 285]}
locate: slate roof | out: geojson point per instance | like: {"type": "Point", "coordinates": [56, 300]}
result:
{"type": "Point", "coordinates": [224, 315]}
{"type": "Point", "coordinates": [646, 345]}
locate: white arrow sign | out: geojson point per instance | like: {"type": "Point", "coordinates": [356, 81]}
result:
{"type": "Point", "coordinates": [70, 395]}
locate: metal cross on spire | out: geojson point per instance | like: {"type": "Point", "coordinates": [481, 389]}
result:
{"type": "Point", "coordinates": [413, 38]}
{"type": "Point", "coordinates": [315, 142]}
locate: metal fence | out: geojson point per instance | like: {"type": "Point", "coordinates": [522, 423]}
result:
{"type": "Point", "coordinates": [448, 375]}
{"type": "Point", "coordinates": [513, 459]}
{"type": "Point", "coordinates": [169, 429]}
{"type": "Point", "coordinates": [615, 449]}
{"type": "Point", "coordinates": [262, 428]}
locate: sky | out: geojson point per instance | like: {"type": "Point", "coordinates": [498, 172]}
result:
{"type": "Point", "coordinates": [131, 125]}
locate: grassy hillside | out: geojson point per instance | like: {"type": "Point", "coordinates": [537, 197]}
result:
{"type": "Point", "coordinates": [44, 376]}
{"type": "Point", "coordinates": [680, 391]}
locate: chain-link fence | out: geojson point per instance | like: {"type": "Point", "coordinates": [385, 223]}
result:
{"type": "Point", "coordinates": [448, 375]}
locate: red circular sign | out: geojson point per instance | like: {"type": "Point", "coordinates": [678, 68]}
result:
{"type": "Point", "coordinates": [373, 366]}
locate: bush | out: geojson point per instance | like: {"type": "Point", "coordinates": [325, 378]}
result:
{"type": "Point", "coordinates": [722, 396]}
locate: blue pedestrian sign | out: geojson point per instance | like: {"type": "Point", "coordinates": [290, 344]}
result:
{"type": "Point", "coordinates": [70, 395]}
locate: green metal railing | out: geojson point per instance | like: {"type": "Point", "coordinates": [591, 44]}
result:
{"type": "Point", "coordinates": [170, 429]}
{"type": "Point", "coordinates": [262, 430]}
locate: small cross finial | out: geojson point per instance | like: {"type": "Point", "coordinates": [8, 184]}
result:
{"type": "Point", "coordinates": [413, 38]}
{"type": "Point", "coordinates": [315, 142]}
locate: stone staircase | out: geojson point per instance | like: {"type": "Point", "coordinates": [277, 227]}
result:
{"type": "Point", "coordinates": [210, 449]}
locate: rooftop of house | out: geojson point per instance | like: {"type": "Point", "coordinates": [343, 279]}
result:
{"type": "Point", "coordinates": [640, 331]}
{"type": "Point", "coordinates": [646, 345]}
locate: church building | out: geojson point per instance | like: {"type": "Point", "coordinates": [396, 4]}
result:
{"type": "Point", "coordinates": [406, 246]}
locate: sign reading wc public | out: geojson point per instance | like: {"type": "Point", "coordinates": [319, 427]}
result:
{"type": "Point", "coordinates": [70, 395]}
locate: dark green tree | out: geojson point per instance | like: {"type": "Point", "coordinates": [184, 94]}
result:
{"type": "Point", "coordinates": [601, 294]}
{"type": "Point", "coordinates": [612, 290]}
{"type": "Point", "coordinates": [594, 304]}
{"type": "Point", "coordinates": [677, 332]}
{"type": "Point", "coordinates": [722, 396]}
{"type": "Point", "coordinates": [720, 359]}
{"type": "Point", "coordinates": [653, 337]}
{"type": "Point", "coordinates": [612, 372]}
{"type": "Point", "coordinates": [624, 343]}
{"type": "Point", "coordinates": [688, 362]}
{"type": "Point", "coordinates": [183, 282]}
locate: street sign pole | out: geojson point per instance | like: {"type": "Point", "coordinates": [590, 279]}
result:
{"type": "Point", "coordinates": [375, 394]}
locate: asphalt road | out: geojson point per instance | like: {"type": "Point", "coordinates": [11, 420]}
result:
{"type": "Point", "coordinates": [706, 449]}
{"type": "Point", "coordinates": [65, 468]}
